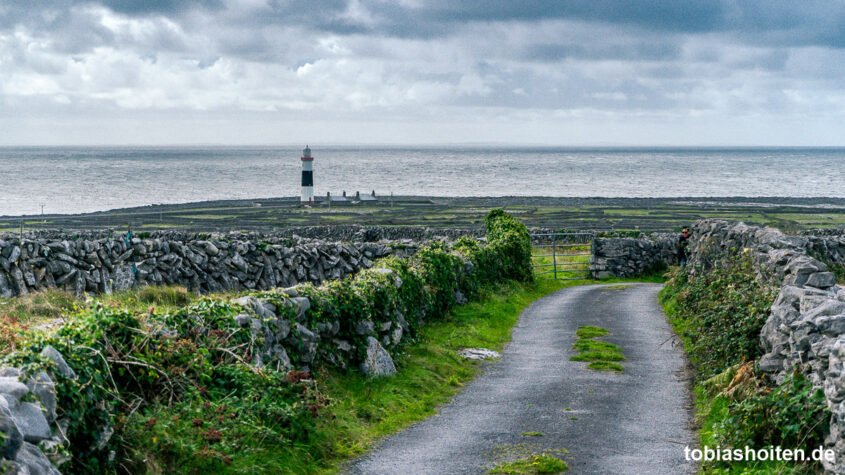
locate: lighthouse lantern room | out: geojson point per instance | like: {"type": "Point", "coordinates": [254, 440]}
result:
{"type": "Point", "coordinates": [307, 176]}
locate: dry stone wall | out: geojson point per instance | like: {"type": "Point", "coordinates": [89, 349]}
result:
{"type": "Point", "coordinates": [29, 425]}
{"type": "Point", "coordinates": [805, 330]}
{"type": "Point", "coordinates": [212, 263]}
{"type": "Point", "coordinates": [829, 245]}
{"type": "Point", "coordinates": [355, 232]}
{"type": "Point", "coordinates": [629, 257]}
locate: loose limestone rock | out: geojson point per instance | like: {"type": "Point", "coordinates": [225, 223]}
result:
{"type": "Point", "coordinates": [479, 353]}
{"type": "Point", "coordinates": [365, 327]}
{"type": "Point", "coordinates": [821, 280]}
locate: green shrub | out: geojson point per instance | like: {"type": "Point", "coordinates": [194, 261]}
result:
{"type": "Point", "coordinates": [791, 415]}
{"type": "Point", "coordinates": [719, 313]}
{"type": "Point", "coordinates": [126, 361]}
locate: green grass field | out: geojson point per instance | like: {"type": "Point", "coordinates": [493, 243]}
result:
{"type": "Point", "coordinates": [600, 214]}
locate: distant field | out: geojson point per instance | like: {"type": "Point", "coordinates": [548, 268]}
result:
{"type": "Point", "coordinates": [599, 214]}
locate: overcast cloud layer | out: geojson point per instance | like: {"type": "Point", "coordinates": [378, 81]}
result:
{"type": "Point", "coordinates": [543, 72]}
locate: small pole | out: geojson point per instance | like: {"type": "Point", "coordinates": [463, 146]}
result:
{"type": "Point", "coordinates": [21, 230]}
{"type": "Point", "coordinates": [554, 253]}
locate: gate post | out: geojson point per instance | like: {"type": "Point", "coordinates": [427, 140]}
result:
{"type": "Point", "coordinates": [554, 253]}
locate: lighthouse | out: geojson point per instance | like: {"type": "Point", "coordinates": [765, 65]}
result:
{"type": "Point", "coordinates": [307, 176]}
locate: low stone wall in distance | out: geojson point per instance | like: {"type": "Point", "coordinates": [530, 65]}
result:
{"type": "Point", "coordinates": [629, 257]}
{"type": "Point", "coordinates": [202, 263]}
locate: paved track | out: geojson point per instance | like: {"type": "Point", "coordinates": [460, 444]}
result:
{"type": "Point", "coordinates": [636, 422]}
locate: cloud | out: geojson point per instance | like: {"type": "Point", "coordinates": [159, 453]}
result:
{"type": "Point", "coordinates": [419, 61]}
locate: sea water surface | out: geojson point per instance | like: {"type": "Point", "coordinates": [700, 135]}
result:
{"type": "Point", "coordinates": [84, 179]}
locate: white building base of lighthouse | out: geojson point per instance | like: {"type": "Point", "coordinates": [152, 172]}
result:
{"type": "Point", "coordinates": [307, 194]}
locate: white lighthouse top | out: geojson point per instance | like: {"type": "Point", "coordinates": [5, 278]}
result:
{"type": "Point", "coordinates": [306, 152]}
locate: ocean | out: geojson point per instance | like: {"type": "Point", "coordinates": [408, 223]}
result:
{"type": "Point", "coordinates": [85, 179]}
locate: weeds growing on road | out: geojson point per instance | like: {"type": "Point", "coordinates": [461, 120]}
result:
{"type": "Point", "coordinates": [542, 463]}
{"type": "Point", "coordinates": [523, 459]}
{"type": "Point", "coordinates": [602, 355]}
{"type": "Point", "coordinates": [591, 332]}
{"type": "Point", "coordinates": [585, 344]}
{"type": "Point", "coordinates": [598, 356]}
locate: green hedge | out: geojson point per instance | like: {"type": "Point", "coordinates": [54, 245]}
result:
{"type": "Point", "coordinates": [192, 363]}
{"type": "Point", "coordinates": [422, 287]}
{"type": "Point", "coordinates": [719, 313]}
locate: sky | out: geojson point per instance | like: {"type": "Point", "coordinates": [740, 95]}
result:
{"type": "Point", "coordinates": [540, 72]}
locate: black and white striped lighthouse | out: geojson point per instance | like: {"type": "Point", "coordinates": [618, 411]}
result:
{"type": "Point", "coordinates": [307, 176]}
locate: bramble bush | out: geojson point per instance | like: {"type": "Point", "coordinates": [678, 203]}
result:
{"type": "Point", "coordinates": [719, 312]}
{"type": "Point", "coordinates": [792, 414]}
{"type": "Point", "coordinates": [181, 384]}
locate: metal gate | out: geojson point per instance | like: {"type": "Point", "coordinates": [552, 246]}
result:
{"type": "Point", "coordinates": [564, 256]}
